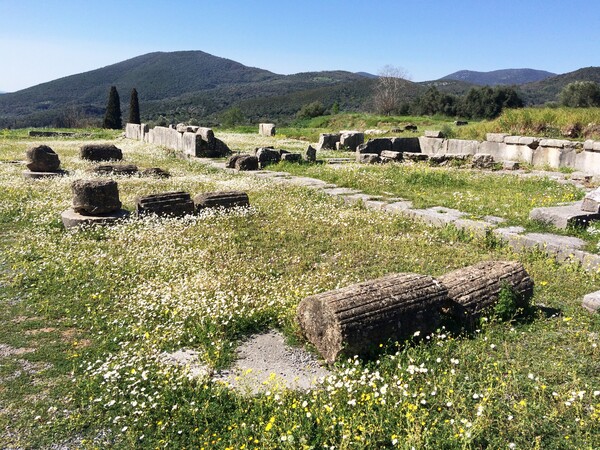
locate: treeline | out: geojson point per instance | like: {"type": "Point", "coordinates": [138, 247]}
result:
{"type": "Point", "coordinates": [479, 103]}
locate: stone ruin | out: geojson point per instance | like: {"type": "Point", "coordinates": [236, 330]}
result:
{"type": "Point", "coordinates": [192, 141]}
{"type": "Point", "coordinates": [354, 320]}
{"type": "Point", "coordinates": [266, 129]}
{"type": "Point", "coordinates": [42, 162]}
{"type": "Point", "coordinates": [94, 202]}
{"type": "Point", "coordinates": [169, 204]}
{"type": "Point", "coordinates": [577, 214]}
{"type": "Point", "coordinates": [260, 158]}
{"type": "Point", "coordinates": [100, 152]}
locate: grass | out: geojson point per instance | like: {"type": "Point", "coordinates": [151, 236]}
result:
{"type": "Point", "coordinates": [87, 314]}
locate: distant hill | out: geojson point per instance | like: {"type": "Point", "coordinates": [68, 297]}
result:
{"type": "Point", "coordinates": [547, 90]}
{"type": "Point", "coordinates": [499, 77]}
{"type": "Point", "coordinates": [174, 84]}
{"type": "Point", "coordinates": [367, 75]}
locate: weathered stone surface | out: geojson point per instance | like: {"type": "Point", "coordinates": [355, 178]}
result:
{"type": "Point", "coordinates": [410, 127]}
{"type": "Point", "coordinates": [100, 152]}
{"type": "Point", "coordinates": [415, 157]}
{"type": "Point", "coordinates": [511, 165]}
{"type": "Point", "coordinates": [38, 175]}
{"type": "Point", "coordinates": [266, 129]}
{"type": "Point", "coordinates": [72, 219]}
{"type": "Point", "coordinates": [388, 155]}
{"type": "Point", "coordinates": [474, 289]}
{"type": "Point", "coordinates": [461, 146]}
{"type": "Point", "coordinates": [530, 142]}
{"type": "Point", "coordinates": [356, 319]}
{"type": "Point", "coordinates": [267, 155]}
{"type": "Point", "coordinates": [406, 144]}
{"type": "Point", "coordinates": [432, 146]}
{"type": "Point", "coordinates": [591, 302]}
{"type": "Point", "coordinates": [40, 133]}
{"type": "Point", "coordinates": [591, 202]}
{"type": "Point", "coordinates": [368, 158]}
{"type": "Point", "coordinates": [496, 137]}
{"type": "Point", "coordinates": [311, 154]}
{"type": "Point", "coordinates": [433, 134]}
{"type": "Point", "coordinates": [553, 143]}
{"type": "Point", "coordinates": [327, 141]}
{"type": "Point", "coordinates": [155, 172]}
{"type": "Point", "coordinates": [42, 159]}
{"type": "Point", "coordinates": [564, 216]}
{"type": "Point", "coordinates": [512, 140]}
{"type": "Point", "coordinates": [246, 162]}
{"type": "Point", "coordinates": [95, 197]}
{"type": "Point", "coordinates": [483, 161]}
{"type": "Point", "coordinates": [133, 131]}
{"type": "Point", "coordinates": [115, 169]}
{"type": "Point", "coordinates": [168, 204]}
{"type": "Point", "coordinates": [230, 163]}
{"type": "Point", "coordinates": [375, 146]}
{"type": "Point", "coordinates": [291, 157]}
{"type": "Point", "coordinates": [207, 134]}
{"type": "Point", "coordinates": [221, 199]}
{"type": "Point", "coordinates": [351, 139]}
{"type": "Point", "coordinates": [437, 215]}
{"type": "Point", "coordinates": [444, 159]}
{"type": "Point", "coordinates": [596, 146]}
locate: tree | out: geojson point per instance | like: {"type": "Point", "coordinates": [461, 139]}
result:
{"type": "Point", "coordinates": [310, 110]}
{"type": "Point", "coordinates": [112, 117]}
{"type": "Point", "coordinates": [581, 94]}
{"type": "Point", "coordinates": [389, 89]}
{"type": "Point", "coordinates": [134, 108]}
{"type": "Point", "coordinates": [232, 117]}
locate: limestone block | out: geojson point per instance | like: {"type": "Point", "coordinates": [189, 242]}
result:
{"type": "Point", "coordinates": [351, 139]}
{"type": "Point", "coordinates": [588, 145]}
{"type": "Point", "coordinates": [266, 129]}
{"type": "Point", "coordinates": [512, 140]}
{"type": "Point", "coordinates": [93, 197]}
{"type": "Point", "coordinates": [367, 158]}
{"type": "Point", "coordinates": [596, 146]}
{"type": "Point", "coordinates": [221, 199]}
{"type": "Point", "coordinates": [42, 158]}
{"type": "Point", "coordinates": [133, 131]}
{"type": "Point", "coordinates": [496, 137]}
{"type": "Point", "coordinates": [388, 155]}
{"type": "Point", "coordinates": [564, 216]}
{"type": "Point", "coordinates": [327, 141]}
{"type": "Point", "coordinates": [530, 142]}
{"type": "Point", "coordinates": [591, 302]}
{"type": "Point", "coordinates": [100, 152]}
{"type": "Point", "coordinates": [168, 204]}
{"type": "Point", "coordinates": [433, 134]}
{"type": "Point", "coordinates": [591, 202]}
{"type": "Point", "coordinates": [464, 147]}
{"type": "Point", "coordinates": [432, 146]}
{"type": "Point", "coordinates": [406, 144]}
{"type": "Point", "coordinates": [376, 146]}
{"type": "Point", "coordinates": [553, 143]}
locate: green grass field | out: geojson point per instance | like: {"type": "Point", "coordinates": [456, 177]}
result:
{"type": "Point", "coordinates": [85, 316]}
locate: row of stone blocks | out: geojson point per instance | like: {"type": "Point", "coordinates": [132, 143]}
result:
{"type": "Point", "coordinates": [356, 319]}
{"type": "Point", "coordinates": [97, 202]}
{"type": "Point", "coordinates": [192, 141]}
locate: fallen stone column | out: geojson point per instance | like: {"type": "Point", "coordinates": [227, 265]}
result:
{"type": "Point", "coordinates": [224, 199]}
{"type": "Point", "coordinates": [356, 319]}
{"type": "Point", "coordinates": [474, 289]}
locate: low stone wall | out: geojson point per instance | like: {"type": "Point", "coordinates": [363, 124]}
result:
{"type": "Point", "coordinates": [191, 141]}
{"type": "Point", "coordinates": [554, 153]}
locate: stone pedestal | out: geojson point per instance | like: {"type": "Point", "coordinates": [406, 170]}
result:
{"type": "Point", "coordinates": [72, 219]}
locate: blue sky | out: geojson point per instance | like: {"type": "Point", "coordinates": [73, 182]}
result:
{"type": "Point", "coordinates": [41, 40]}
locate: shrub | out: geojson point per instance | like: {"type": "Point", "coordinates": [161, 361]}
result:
{"type": "Point", "coordinates": [581, 94]}
{"type": "Point", "coordinates": [310, 110]}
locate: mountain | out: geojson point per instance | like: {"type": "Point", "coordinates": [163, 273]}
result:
{"type": "Point", "coordinates": [367, 75]}
{"type": "Point", "coordinates": [540, 92]}
{"type": "Point", "coordinates": [173, 84]}
{"type": "Point", "coordinates": [496, 77]}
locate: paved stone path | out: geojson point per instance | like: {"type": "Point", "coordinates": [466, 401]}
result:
{"type": "Point", "coordinates": [564, 248]}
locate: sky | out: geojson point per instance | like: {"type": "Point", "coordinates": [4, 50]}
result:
{"type": "Point", "coordinates": [42, 40]}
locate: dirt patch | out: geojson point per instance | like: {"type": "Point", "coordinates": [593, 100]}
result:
{"type": "Point", "coordinates": [7, 350]}
{"type": "Point", "coordinates": [39, 331]}
{"type": "Point", "coordinates": [266, 363]}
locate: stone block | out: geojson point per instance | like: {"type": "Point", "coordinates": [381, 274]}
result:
{"type": "Point", "coordinates": [512, 140]}
{"type": "Point", "coordinates": [267, 155]}
{"type": "Point", "coordinates": [460, 146]}
{"type": "Point", "coordinates": [483, 161]}
{"type": "Point", "coordinates": [591, 202]}
{"type": "Point", "coordinates": [553, 143]}
{"type": "Point", "coordinates": [311, 154]}
{"type": "Point", "coordinates": [42, 158]}
{"type": "Point", "coordinates": [100, 152]}
{"type": "Point", "coordinates": [367, 158]}
{"type": "Point", "coordinates": [530, 142]}
{"type": "Point", "coordinates": [156, 172]}
{"type": "Point", "coordinates": [72, 219]}
{"type": "Point", "coordinates": [133, 131]}
{"type": "Point", "coordinates": [415, 157]}
{"type": "Point", "coordinates": [375, 146]}
{"type": "Point", "coordinates": [388, 155]}
{"type": "Point", "coordinates": [168, 204]}
{"type": "Point", "coordinates": [351, 139]}
{"type": "Point", "coordinates": [406, 144]}
{"type": "Point", "coordinates": [207, 134]}
{"type": "Point", "coordinates": [327, 141]}
{"type": "Point", "coordinates": [115, 169]}
{"type": "Point", "coordinates": [496, 137]}
{"type": "Point", "coordinates": [596, 146]}
{"type": "Point", "coordinates": [511, 165]}
{"type": "Point", "coordinates": [591, 302]}
{"type": "Point", "coordinates": [246, 162]}
{"type": "Point", "coordinates": [94, 197]}
{"type": "Point", "coordinates": [432, 146]}
{"type": "Point", "coordinates": [433, 134]}
{"type": "Point", "coordinates": [588, 145]}
{"type": "Point", "coordinates": [291, 157]}
{"type": "Point", "coordinates": [266, 129]}
{"type": "Point", "coordinates": [564, 216]}
{"type": "Point", "coordinates": [222, 199]}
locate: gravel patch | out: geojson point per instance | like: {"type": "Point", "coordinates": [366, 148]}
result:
{"type": "Point", "coordinates": [266, 363]}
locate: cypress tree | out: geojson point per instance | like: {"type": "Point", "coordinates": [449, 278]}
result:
{"type": "Point", "coordinates": [112, 117]}
{"type": "Point", "coordinates": [134, 108]}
